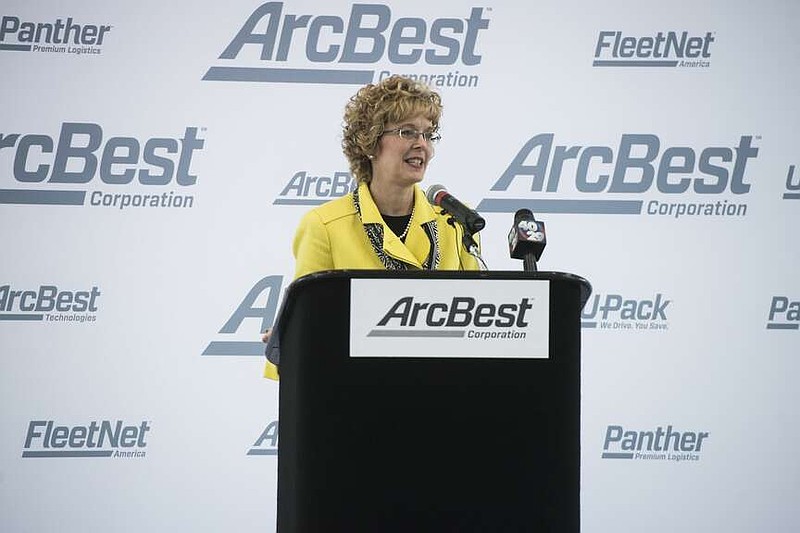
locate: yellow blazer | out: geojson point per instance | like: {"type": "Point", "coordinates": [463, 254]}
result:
{"type": "Point", "coordinates": [333, 237]}
{"type": "Point", "coordinates": [349, 233]}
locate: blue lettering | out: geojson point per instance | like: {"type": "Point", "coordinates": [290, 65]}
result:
{"type": "Point", "coordinates": [661, 45]}
{"type": "Point", "coordinates": [312, 46]}
{"type": "Point", "coordinates": [356, 33]}
{"type": "Point", "coordinates": [248, 309]}
{"type": "Point", "coordinates": [76, 160]}
{"type": "Point", "coordinates": [637, 167]}
{"type": "Point", "coordinates": [66, 151]}
{"type": "Point", "coordinates": [626, 161]}
{"type": "Point", "coordinates": [410, 40]}
{"type": "Point", "coordinates": [23, 151]}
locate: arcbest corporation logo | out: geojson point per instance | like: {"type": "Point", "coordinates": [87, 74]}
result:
{"type": "Point", "coordinates": [133, 173]}
{"type": "Point", "coordinates": [784, 313]}
{"type": "Point", "coordinates": [260, 304]}
{"type": "Point", "coordinates": [659, 444]}
{"type": "Point", "coordinates": [792, 185]}
{"type": "Point", "coordinates": [669, 49]}
{"type": "Point", "coordinates": [57, 36]}
{"type": "Point", "coordinates": [267, 442]}
{"type": "Point", "coordinates": [305, 188]}
{"type": "Point", "coordinates": [621, 313]}
{"type": "Point", "coordinates": [48, 303]}
{"type": "Point", "coordinates": [640, 176]}
{"type": "Point", "coordinates": [449, 318]}
{"type": "Point", "coordinates": [98, 438]}
{"type": "Point", "coordinates": [366, 45]}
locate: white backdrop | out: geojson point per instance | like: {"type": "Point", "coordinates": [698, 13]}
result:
{"type": "Point", "coordinates": [147, 317]}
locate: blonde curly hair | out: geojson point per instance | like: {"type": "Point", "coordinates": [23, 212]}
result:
{"type": "Point", "coordinates": [366, 115]}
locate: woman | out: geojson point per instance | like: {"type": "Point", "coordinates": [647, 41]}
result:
{"type": "Point", "coordinates": [389, 135]}
{"type": "Point", "coordinates": [390, 129]}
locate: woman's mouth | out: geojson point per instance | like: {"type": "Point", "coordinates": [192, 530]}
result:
{"type": "Point", "coordinates": [416, 162]}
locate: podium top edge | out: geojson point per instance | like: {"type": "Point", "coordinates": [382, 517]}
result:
{"type": "Point", "coordinates": [315, 277]}
{"type": "Point", "coordinates": [272, 350]}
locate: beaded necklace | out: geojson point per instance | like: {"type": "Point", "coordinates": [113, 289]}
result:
{"type": "Point", "coordinates": [408, 226]}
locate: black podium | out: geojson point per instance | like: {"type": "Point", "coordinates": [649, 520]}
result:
{"type": "Point", "coordinates": [407, 443]}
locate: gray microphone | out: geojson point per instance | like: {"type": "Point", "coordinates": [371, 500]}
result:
{"type": "Point", "coordinates": [469, 218]}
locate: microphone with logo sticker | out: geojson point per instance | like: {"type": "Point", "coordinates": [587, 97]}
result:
{"type": "Point", "coordinates": [527, 239]}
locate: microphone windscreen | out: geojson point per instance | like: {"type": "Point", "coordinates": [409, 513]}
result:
{"type": "Point", "coordinates": [522, 214]}
{"type": "Point", "coordinates": [433, 194]}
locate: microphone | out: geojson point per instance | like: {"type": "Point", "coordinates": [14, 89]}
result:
{"type": "Point", "coordinates": [469, 218]}
{"type": "Point", "coordinates": [527, 239]}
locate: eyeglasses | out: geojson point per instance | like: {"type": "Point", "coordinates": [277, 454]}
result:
{"type": "Point", "coordinates": [410, 134]}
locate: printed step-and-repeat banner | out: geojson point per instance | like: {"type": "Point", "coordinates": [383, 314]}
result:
{"type": "Point", "coordinates": [155, 158]}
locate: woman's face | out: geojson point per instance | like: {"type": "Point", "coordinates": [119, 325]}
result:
{"type": "Point", "coordinates": [399, 161]}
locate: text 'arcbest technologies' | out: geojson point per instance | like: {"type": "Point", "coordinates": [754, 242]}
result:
{"type": "Point", "coordinates": [48, 303]}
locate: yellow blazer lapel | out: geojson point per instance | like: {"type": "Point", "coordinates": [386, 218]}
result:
{"type": "Point", "coordinates": [392, 245]}
{"type": "Point", "coordinates": [417, 240]}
